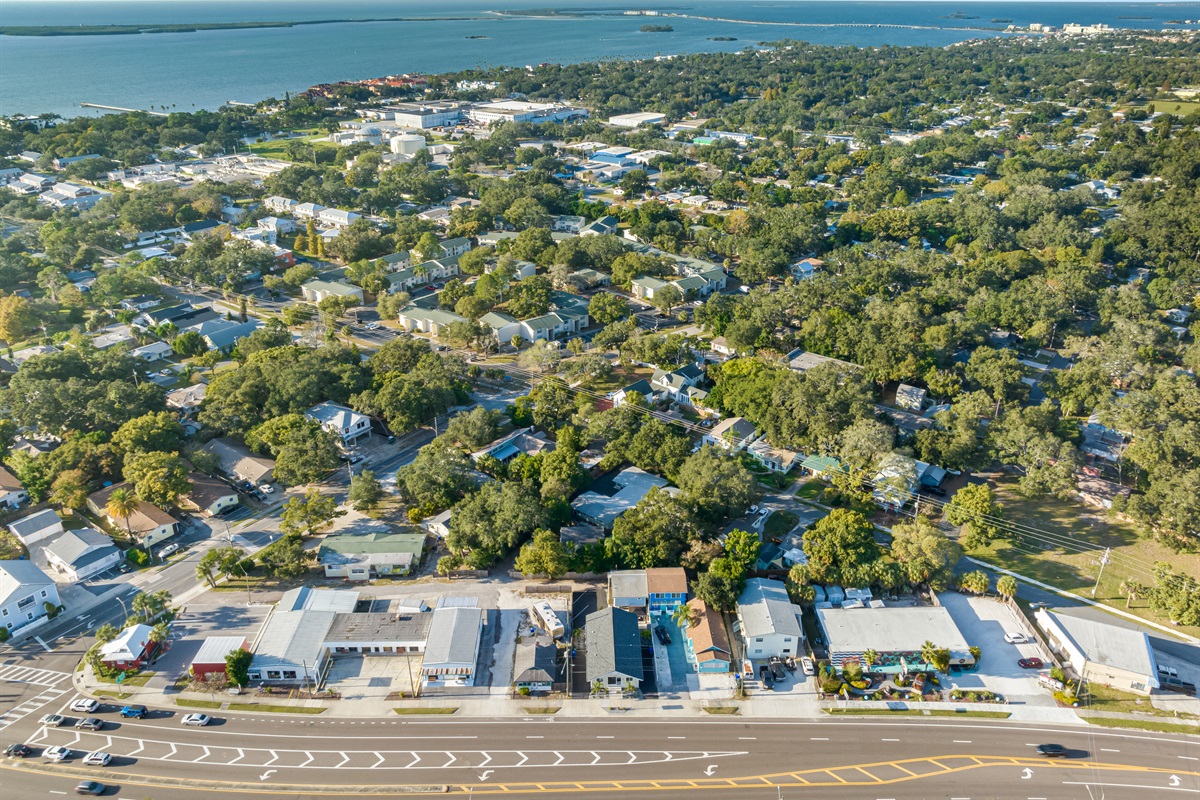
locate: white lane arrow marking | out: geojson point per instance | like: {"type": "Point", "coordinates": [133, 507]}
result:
{"type": "Point", "coordinates": [486, 761]}
{"type": "Point", "coordinates": [453, 758]}
{"type": "Point", "coordinates": [377, 763]}
{"type": "Point", "coordinates": [1174, 780]}
{"type": "Point", "coordinates": [524, 758]}
{"type": "Point", "coordinates": [710, 769]}
{"type": "Point", "coordinates": [485, 774]}
{"type": "Point", "coordinates": [1027, 774]}
{"type": "Point", "coordinates": [311, 757]}
{"type": "Point", "coordinates": [274, 758]}
{"type": "Point", "coordinates": [561, 758]}
{"type": "Point", "coordinates": [241, 755]}
{"type": "Point", "coordinates": [345, 758]}
{"type": "Point", "coordinates": [416, 758]}
{"type": "Point", "coordinates": [267, 774]}
{"type": "Point", "coordinates": [141, 746]}
{"type": "Point", "coordinates": [632, 757]}
{"type": "Point", "coordinates": [201, 758]}
{"type": "Point", "coordinates": [596, 760]}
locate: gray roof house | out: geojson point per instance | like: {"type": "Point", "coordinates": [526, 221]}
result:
{"type": "Point", "coordinates": [453, 646]}
{"type": "Point", "coordinates": [24, 592]}
{"type": "Point", "coordinates": [80, 554]}
{"type": "Point", "coordinates": [632, 483]}
{"type": "Point", "coordinates": [770, 623]}
{"type": "Point", "coordinates": [614, 649]}
{"type": "Point", "coordinates": [36, 527]}
{"type": "Point", "coordinates": [535, 664]}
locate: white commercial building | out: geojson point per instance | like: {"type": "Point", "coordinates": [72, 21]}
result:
{"type": "Point", "coordinates": [520, 111]}
{"type": "Point", "coordinates": [1100, 652]}
{"type": "Point", "coordinates": [453, 646]}
{"type": "Point", "coordinates": [636, 120]}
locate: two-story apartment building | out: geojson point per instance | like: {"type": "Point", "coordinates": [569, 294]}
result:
{"type": "Point", "coordinates": [24, 592]}
{"type": "Point", "coordinates": [345, 423]}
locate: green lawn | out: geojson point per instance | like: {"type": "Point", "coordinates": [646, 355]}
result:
{"type": "Point", "coordinates": [778, 524]}
{"type": "Point", "coordinates": [726, 710]}
{"type": "Point", "coordinates": [811, 490]}
{"type": "Point", "coordinates": [1145, 725]}
{"type": "Point", "coordinates": [135, 680]}
{"type": "Point", "coordinates": [1073, 571]}
{"type": "Point", "coordinates": [1180, 108]}
{"type": "Point", "coordinates": [278, 148]}
{"type": "Point", "coordinates": [209, 704]}
{"type": "Point", "coordinates": [1102, 698]}
{"type": "Point", "coordinates": [270, 709]}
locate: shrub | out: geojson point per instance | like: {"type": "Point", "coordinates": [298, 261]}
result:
{"type": "Point", "coordinates": [139, 558]}
{"type": "Point", "coordinates": [1056, 673]}
{"type": "Point", "coordinates": [524, 691]}
{"type": "Point", "coordinates": [831, 685]}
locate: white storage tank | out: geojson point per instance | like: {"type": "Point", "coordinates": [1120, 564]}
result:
{"type": "Point", "coordinates": [408, 144]}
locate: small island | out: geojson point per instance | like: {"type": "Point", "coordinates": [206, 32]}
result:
{"type": "Point", "coordinates": [960, 15]}
{"type": "Point", "coordinates": [656, 29]}
{"type": "Point", "coordinates": [476, 36]}
{"type": "Point", "coordinates": [1000, 19]}
{"type": "Point", "coordinates": [722, 38]}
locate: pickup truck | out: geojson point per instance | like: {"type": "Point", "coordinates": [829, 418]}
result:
{"type": "Point", "coordinates": [778, 671]}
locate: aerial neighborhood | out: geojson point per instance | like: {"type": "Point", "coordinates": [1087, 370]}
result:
{"type": "Point", "coordinates": [714, 381]}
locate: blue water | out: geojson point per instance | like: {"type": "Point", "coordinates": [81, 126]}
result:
{"type": "Point", "coordinates": [207, 68]}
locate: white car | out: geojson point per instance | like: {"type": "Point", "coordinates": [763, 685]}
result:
{"type": "Point", "coordinates": [168, 550]}
{"type": "Point", "coordinates": [753, 509]}
{"type": "Point", "coordinates": [97, 759]}
{"type": "Point", "coordinates": [199, 720]}
{"type": "Point", "coordinates": [53, 720]}
{"type": "Point", "coordinates": [806, 664]}
{"type": "Point", "coordinates": [1014, 638]}
{"type": "Point", "coordinates": [56, 753]}
{"type": "Point", "coordinates": [85, 705]}
{"type": "Point", "coordinates": [267, 488]}
{"type": "Point", "coordinates": [372, 326]}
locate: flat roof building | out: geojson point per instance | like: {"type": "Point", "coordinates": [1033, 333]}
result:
{"type": "Point", "coordinates": [638, 119]}
{"type": "Point", "coordinates": [896, 634]}
{"type": "Point", "coordinates": [1100, 652]}
{"type": "Point", "coordinates": [453, 646]}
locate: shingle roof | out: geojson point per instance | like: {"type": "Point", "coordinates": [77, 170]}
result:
{"type": "Point", "coordinates": [35, 522]}
{"type": "Point", "coordinates": [666, 580]}
{"type": "Point", "coordinates": [614, 644]}
{"type": "Point", "coordinates": [19, 577]}
{"type": "Point", "coordinates": [535, 661]}
{"type": "Point", "coordinates": [709, 641]}
{"type": "Point", "coordinates": [81, 547]}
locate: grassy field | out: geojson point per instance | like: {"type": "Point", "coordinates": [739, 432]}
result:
{"type": "Point", "coordinates": [779, 524]}
{"type": "Point", "coordinates": [278, 148]}
{"type": "Point", "coordinates": [1102, 698]}
{"type": "Point", "coordinates": [1075, 567]}
{"type": "Point", "coordinates": [1180, 108]}
{"type": "Point", "coordinates": [810, 490]}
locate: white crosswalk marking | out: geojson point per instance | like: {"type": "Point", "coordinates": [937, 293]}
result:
{"type": "Point", "coordinates": [30, 706]}
{"type": "Point", "coordinates": [16, 673]}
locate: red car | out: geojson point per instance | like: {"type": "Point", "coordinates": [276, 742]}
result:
{"type": "Point", "coordinates": [1030, 663]}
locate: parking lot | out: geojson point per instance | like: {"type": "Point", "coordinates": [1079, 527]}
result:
{"type": "Point", "coordinates": [374, 677]}
{"type": "Point", "coordinates": [984, 622]}
{"type": "Point", "coordinates": [196, 623]}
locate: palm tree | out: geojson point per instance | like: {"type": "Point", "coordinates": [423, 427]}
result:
{"type": "Point", "coordinates": [684, 616]}
{"type": "Point", "coordinates": [869, 658]}
{"type": "Point", "coordinates": [1131, 589]}
{"type": "Point", "coordinates": [929, 652]}
{"type": "Point", "coordinates": [121, 505]}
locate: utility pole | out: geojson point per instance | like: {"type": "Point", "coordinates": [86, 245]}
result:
{"type": "Point", "coordinates": [1103, 563]}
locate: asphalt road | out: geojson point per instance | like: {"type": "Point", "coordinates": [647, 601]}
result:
{"type": "Point", "coordinates": [721, 757]}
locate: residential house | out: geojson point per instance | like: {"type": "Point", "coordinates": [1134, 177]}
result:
{"type": "Point", "coordinates": [238, 462]}
{"type": "Point", "coordinates": [806, 268]}
{"type": "Point", "coordinates": [336, 217]}
{"type": "Point", "coordinates": [588, 278]}
{"type": "Point", "coordinates": [605, 226]}
{"type": "Point", "coordinates": [223, 334]}
{"type": "Point", "coordinates": [132, 648]}
{"type": "Point", "coordinates": [666, 589]}
{"type": "Point", "coordinates": [438, 524]}
{"type": "Point", "coordinates": [24, 592]}
{"type": "Point", "coordinates": [432, 321]}
{"type": "Point", "coordinates": [732, 433]}
{"type": "Point", "coordinates": [680, 385]}
{"type": "Point", "coordinates": [422, 273]}
{"type": "Point", "coordinates": [140, 303]}
{"type": "Point", "coordinates": [205, 227]}
{"type": "Point", "coordinates": [603, 510]}
{"type": "Point", "coordinates": [148, 524]}
{"type": "Point", "coordinates": [209, 496]}
{"type": "Point", "coordinates": [363, 557]}
{"type": "Point", "coordinates": [345, 423]}
{"type": "Point", "coordinates": [770, 622]}
{"type": "Point", "coordinates": [645, 286]}
{"type": "Point", "coordinates": [79, 554]}
{"type": "Point", "coordinates": [520, 442]}
{"type": "Point", "coordinates": [802, 361]}
{"type": "Point", "coordinates": [910, 397]}
{"type": "Point", "coordinates": [707, 643]}
{"type": "Point", "coordinates": [12, 491]}
{"type": "Point", "coordinates": [315, 291]}
{"type": "Point", "coordinates": [567, 223]}
{"type": "Point", "coordinates": [535, 665]}
{"type": "Point", "coordinates": [450, 249]}
{"type": "Point", "coordinates": [776, 459]}
{"type": "Point", "coordinates": [1101, 441]}
{"type": "Point", "coordinates": [188, 399]}
{"type": "Point", "coordinates": [154, 351]}
{"type": "Point", "coordinates": [71, 195]}
{"type": "Point", "coordinates": [453, 646]}
{"type": "Point", "coordinates": [642, 387]}
{"type": "Point", "coordinates": [614, 650]}
{"type": "Point", "coordinates": [629, 589]}
{"type": "Point", "coordinates": [36, 527]}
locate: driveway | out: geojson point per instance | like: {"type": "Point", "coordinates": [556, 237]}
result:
{"type": "Point", "coordinates": [983, 623]}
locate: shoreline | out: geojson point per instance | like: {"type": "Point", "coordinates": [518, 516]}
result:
{"type": "Point", "coordinates": [133, 30]}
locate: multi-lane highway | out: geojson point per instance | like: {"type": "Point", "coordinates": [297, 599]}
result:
{"type": "Point", "coordinates": [720, 757]}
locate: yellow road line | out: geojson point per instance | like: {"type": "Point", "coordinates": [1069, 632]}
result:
{"type": "Point", "coordinates": [869, 775]}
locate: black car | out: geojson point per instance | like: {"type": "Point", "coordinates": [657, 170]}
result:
{"type": "Point", "coordinates": [664, 636]}
{"type": "Point", "coordinates": [17, 750]}
{"type": "Point", "coordinates": [777, 669]}
{"type": "Point", "coordinates": [1051, 750]}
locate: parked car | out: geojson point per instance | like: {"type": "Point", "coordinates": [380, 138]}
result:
{"type": "Point", "coordinates": [778, 671]}
{"type": "Point", "coordinates": [90, 787]}
{"type": "Point", "coordinates": [1030, 663]}
{"type": "Point", "coordinates": [198, 720]}
{"type": "Point", "coordinates": [754, 509]}
{"type": "Point", "coordinates": [85, 705]}
{"type": "Point", "coordinates": [90, 724]}
{"type": "Point", "coordinates": [53, 720]}
{"type": "Point", "coordinates": [168, 550]}
{"type": "Point", "coordinates": [664, 636]}
{"type": "Point", "coordinates": [806, 664]}
{"type": "Point", "coordinates": [56, 753]}
{"type": "Point", "coordinates": [1014, 638]}
{"type": "Point", "coordinates": [1181, 687]}
{"type": "Point", "coordinates": [97, 759]}
{"type": "Point", "coordinates": [372, 326]}
{"type": "Point", "coordinates": [266, 488]}
{"type": "Point", "coordinates": [133, 712]}
{"type": "Point", "coordinates": [1051, 750]}
{"type": "Point", "coordinates": [17, 750]}
{"type": "Point", "coordinates": [790, 663]}
{"type": "Point", "coordinates": [764, 675]}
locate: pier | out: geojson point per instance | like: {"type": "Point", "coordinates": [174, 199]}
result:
{"type": "Point", "coordinates": [127, 110]}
